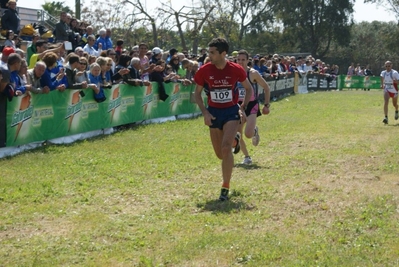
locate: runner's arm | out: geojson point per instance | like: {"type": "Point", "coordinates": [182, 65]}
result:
{"type": "Point", "coordinates": [259, 80]}
{"type": "Point", "coordinates": [198, 98]}
{"type": "Point", "coordinates": [248, 93]}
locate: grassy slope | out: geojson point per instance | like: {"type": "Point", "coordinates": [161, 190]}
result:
{"type": "Point", "coordinates": [323, 191]}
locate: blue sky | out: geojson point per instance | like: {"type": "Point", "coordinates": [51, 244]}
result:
{"type": "Point", "coordinates": [363, 12]}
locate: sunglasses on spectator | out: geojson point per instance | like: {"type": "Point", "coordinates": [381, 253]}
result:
{"type": "Point", "coordinates": [82, 63]}
{"type": "Point", "coordinates": [109, 64]}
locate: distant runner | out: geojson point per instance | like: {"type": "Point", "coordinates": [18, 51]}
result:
{"type": "Point", "coordinates": [252, 111]}
{"type": "Point", "coordinates": [389, 83]}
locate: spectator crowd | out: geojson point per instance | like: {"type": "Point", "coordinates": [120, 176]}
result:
{"type": "Point", "coordinates": [82, 59]}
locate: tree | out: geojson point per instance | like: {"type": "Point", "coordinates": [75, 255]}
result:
{"type": "Point", "coordinates": [391, 5]}
{"type": "Point", "coordinates": [54, 8]}
{"type": "Point", "coordinates": [194, 18]}
{"type": "Point", "coordinates": [115, 16]}
{"type": "Point", "coordinates": [311, 25]}
{"type": "Point", "coordinates": [140, 11]}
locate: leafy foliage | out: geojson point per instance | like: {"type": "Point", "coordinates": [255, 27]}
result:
{"type": "Point", "coordinates": [314, 24]}
{"type": "Point", "coordinates": [54, 8]}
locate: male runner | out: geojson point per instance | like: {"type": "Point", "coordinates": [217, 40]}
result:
{"type": "Point", "coordinates": [252, 111]}
{"type": "Point", "coordinates": [389, 80]}
{"type": "Point", "coordinates": [223, 112]}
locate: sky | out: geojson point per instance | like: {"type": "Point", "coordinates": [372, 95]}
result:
{"type": "Point", "coordinates": [363, 12]}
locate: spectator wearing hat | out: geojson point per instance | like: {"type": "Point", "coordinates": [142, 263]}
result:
{"type": "Point", "coordinates": [4, 55]}
{"type": "Point", "coordinates": [234, 54]}
{"type": "Point", "coordinates": [62, 29]}
{"type": "Point", "coordinates": [102, 42]}
{"type": "Point", "coordinates": [156, 55]}
{"type": "Point", "coordinates": [10, 19]}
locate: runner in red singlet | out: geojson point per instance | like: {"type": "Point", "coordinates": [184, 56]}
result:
{"type": "Point", "coordinates": [223, 114]}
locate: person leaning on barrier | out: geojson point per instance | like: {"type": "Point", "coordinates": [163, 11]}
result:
{"type": "Point", "coordinates": [121, 69]}
{"type": "Point", "coordinates": [14, 64]}
{"type": "Point", "coordinates": [73, 63]}
{"type": "Point", "coordinates": [33, 77]}
{"type": "Point", "coordinates": [134, 73]}
{"type": "Point", "coordinates": [50, 59]}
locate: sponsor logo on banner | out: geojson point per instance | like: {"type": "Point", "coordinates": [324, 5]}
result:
{"type": "Point", "coordinates": [367, 82]}
{"type": "Point", "coordinates": [73, 108]}
{"type": "Point", "coordinates": [348, 81]}
{"type": "Point", "coordinates": [115, 102]}
{"type": "Point", "coordinates": [24, 113]}
{"type": "Point", "coordinates": [148, 98]}
{"type": "Point", "coordinates": [174, 98]}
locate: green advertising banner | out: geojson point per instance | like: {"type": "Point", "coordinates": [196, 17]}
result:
{"type": "Point", "coordinates": [36, 117]}
{"type": "Point", "coordinates": [359, 82]}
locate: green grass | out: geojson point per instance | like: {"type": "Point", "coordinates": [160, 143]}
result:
{"type": "Point", "coordinates": [323, 191]}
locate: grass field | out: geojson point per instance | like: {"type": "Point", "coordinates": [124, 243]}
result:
{"type": "Point", "coordinates": [323, 191]}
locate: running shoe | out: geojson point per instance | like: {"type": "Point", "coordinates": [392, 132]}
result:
{"type": "Point", "coordinates": [385, 120]}
{"type": "Point", "coordinates": [247, 160]}
{"type": "Point", "coordinates": [256, 137]}
{"type": "Point", "coordinates": [236, 148]}
{"type": "Point", "coordinates": [224, 194]}
{"type": "Point", "coordinates": [396, 115]}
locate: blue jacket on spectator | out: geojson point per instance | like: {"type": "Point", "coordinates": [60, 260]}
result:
{"type": "Point", "coordinates": [46, 80]}
{"type": "Point", "coordinates": [106, 43]}
{"type": "Point", "coordinates": [16, 80]}
{"type": "Point", "coordinates": [100, 97]}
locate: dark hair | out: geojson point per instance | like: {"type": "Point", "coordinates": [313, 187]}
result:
{"type": "Point", "coordinates": [73, 58]}
{"type": "Point", "coordinates": [119, 42]}
{"type": "Point", "coordinates": [8, 33]}
{"type": "Point", "coordinates": [160, 62]}
{"type": "Point", "coordinates": [143, 44]}
{"type": "Point", "coordinates": [124, 60]}
{"type": "Point", "coordinates": [243, 52]}
{"type": "Point", "coordinates": [13, 58]}
{"type": "Point", "coordinates": [220, 44]}
{"type": "Point", "coordinates": [40, 43]}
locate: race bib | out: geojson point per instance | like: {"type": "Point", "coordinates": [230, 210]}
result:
{"type": "Point", "coordinates": [241, 95]}
{"type": "Point", "coordinates": [221, 95]}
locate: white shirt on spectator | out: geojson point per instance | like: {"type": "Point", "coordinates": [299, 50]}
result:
{"type": "Point", "coordinates": [91, 51]}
